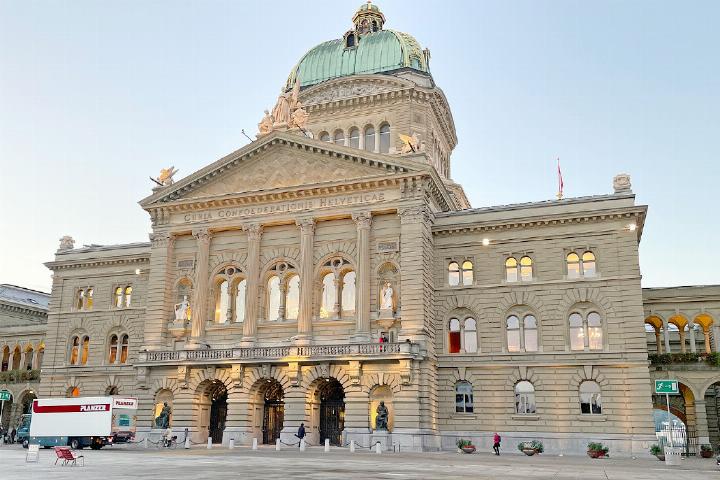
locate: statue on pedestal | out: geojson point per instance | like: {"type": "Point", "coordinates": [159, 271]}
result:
{"type": "Point", "coordinates": [181, 310]}
{"type": "Point", "coordinates": [387, 301]}
{"type": "Point", "coordinates": [265, 125]}
{"type": "Point", "coordinates": [163, 420]}
{"type": "Point", "coordinates": [381, 420]}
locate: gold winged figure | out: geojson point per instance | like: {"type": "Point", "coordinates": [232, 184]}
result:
{"type": "Point", "coordinates": [165, 177]}
{"type": "Point", "coordinates": [410, 143]}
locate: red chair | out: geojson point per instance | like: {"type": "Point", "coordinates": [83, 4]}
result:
{"type": "Point", "coordinates": [68, 457]}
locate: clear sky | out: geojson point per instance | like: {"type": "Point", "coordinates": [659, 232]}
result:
{"type": "Point", "coordinates": [96, 96]}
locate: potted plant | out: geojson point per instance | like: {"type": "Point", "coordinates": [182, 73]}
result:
{"type": "Point", "coordinates": [466, 446]}
{"type": "Point", "coordinates": [597, 450]}
{"type": "Point", "coordinates": [531, 448]}
{"type": "Point", "coordinates": [657, 450]}
{"type": "Point", "coordinates": [706, 451]}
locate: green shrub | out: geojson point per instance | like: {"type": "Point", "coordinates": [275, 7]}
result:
{"type": "Point", "coordinates": [463, 443]}
{"type": "Point", "coordinates": [706, 448]}
{"type": "Point", "coordinates": [598, 447]}
{"type": "Point", "coordinates": [655, 449]}
{"type": "Point", "coordinates": [536, 445]}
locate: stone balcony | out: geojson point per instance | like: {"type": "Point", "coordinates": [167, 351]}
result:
{"type": "Point", "coordinates": [284, 354]}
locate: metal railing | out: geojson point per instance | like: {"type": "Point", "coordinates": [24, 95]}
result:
{"type": "Point", "coordinates": [402, 349]}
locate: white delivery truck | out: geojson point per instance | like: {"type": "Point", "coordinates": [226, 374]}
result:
{"type": "Point", "coordinates": [83, 421]}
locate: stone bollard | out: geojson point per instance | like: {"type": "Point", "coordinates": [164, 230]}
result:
{"type": "Point", "coordinates": [302, 444]}
{"type": "Point", "coordinates": [187, 441]}
{"type": "Point", "coordinates": [277, 444]}
{"type": "Point", "coordinates": [352, 446]}
{"type": "Point", "coordinates": [231, 445]}
{"type": "Point", "coordinates": [327, 445]}
{"type": "Point", "coordinates": [145, 442]}
{"type": "Point", "coordinates": [378, 448]}
{"type": "Point", "coordinates": [254, 447]}
{"type": "Point", "coordinates": [209, 443]}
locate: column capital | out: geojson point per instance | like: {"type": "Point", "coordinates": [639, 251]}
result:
{"type": "Point", "coordinates": [202, 235]}
{"type": "Point", "coordinates": [254, 230]}
{"type": "Point", "coordinates": [161, 239]}
{"type": "Point", "coordinates": [362, 219]}
{"type": "Point", "coordinates": [307, 225]}
{"type": "Point", "coordinates": [415, 214]}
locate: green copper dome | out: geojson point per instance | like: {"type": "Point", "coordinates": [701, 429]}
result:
{"type": "Point", "coordinates": [366, 49]}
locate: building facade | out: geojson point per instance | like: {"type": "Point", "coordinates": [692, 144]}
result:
{"type": "Point", "coordinates": [333, 264]}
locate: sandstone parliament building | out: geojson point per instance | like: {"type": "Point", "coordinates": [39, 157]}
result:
{"type": "Point", "coordinates": [273, 273]}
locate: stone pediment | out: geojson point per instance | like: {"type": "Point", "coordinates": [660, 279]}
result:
{"type": "Point", "coordinates": [280, 161]}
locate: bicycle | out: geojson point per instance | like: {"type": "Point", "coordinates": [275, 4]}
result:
{"type": "Point", "coordinates": [165, 443]}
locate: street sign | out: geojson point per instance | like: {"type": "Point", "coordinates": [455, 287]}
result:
{"type": "Point", "coordinates": [669, 387]}
{"type": "Point", "coordinates": [5, 395]}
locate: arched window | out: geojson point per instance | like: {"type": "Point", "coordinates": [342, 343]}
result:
{"type": "Point", "coordinates": [222, 301]}
{"type": "Point", "coordinates": [573, 265]}
{"type": "Point", "coordinates": [5, 359]}
{"type": "Point", "coordinates": [463, 397]}
{"type": "Point", "coordinates": [85, 350]}
{"type": "Point", "coordinates": [467, 272]}
{"type": "Point", "coordinates": [370, 138]}
{"type": "Point", "coordinates": [339, 137]}
{"type": "Point", "coordinates": [586, 330]}
{"type": "Point", "coordinates": [526, 272]}
{"type": "Point", "coordinates": [470, 335]}
{"type": "Point", "coordinates": [75, 351]}
{"type": "Point", "coordinates": [328, 309]}
{"type": "Point", "coordinates": [16, 358]}
{"type": "Point", "coordinates": [511, 270]}
{"type": "Point", "coordinates": [524, 398]}
{"type": "Point", "coordinates": [384, 138]}
{"type": "Point", "coordinates": [453, 274]}
{"type": "Point", "coordinates": [324, 137]}
{"type": "Point", "coordinates": [29, 352]}
{"type": "Point", "coordinates": [354, 137]}
{"type": "Point", "coordinates": [124, 345]}
{"type": "Point", "coordinates": [240, 293]}
{"type": "Point", "coordinates": [588, 264]}
{"type": "Point", "coordinates": [513, 333]}
{"type": "Point", "coordinates": [590, 398]}
{"type": "Point", "coordinates": [80, 299]}
{"type": "Point", "coordinates": [273, 288]}
{"type": "Point", "coordinates": [118, 300]}
{"type": "Point", "coordinates": [454, 336]}
{"type": "Point", "coordinates": [112, 357]}
{"type": "Point", "coordinates": [350, 40]}
{"type": "Point", "coordinates": [89, 298]}
{"type": "Point", "coordinates": [292, 298]}
{"type": "Point", "coordinates": [128, 296]}
{"type": "Point", "coordinates": [348, 292]}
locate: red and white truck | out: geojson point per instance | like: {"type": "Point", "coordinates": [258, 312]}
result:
{"type": "Point", "coordinates": [83, 421]}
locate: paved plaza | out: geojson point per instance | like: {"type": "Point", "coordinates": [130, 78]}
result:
{"type": "Point", "coordinates": [266, 463]}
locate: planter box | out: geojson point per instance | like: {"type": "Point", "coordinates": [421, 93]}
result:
{"type": "Point", "coordinates": [470, 449]}
{"type": "Point", "coordinates": [706, 454]}
{"type": "Point", "coordinates": [661, 457]}
{"type": "Point", "coordinates": [595, 453]}
{"type": "Point", "coordinates": [529, 451]}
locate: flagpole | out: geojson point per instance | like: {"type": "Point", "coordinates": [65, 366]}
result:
{"type": "Point", "coordinates": [560, 181]}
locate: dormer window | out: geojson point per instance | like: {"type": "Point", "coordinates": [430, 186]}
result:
{"type": "Point", "coordinates": [350, 40]}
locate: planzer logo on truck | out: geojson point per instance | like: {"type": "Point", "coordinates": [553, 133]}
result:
{"type": "Point", "coordinates": [82, 408]}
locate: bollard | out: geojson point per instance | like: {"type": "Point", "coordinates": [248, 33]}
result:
{"type": "Point", "coordinates": [302, 444]}
{"type": "Point", "coordinates": [254, 444]}
{"type": "Point", "coordinates": [209, 443]}
{"type": "Point", "coordinates": [231, 445]}
{"type": "Point", "coordinates": [352, 446]}
{"type": "Point", "coordinates": [378, 448]}
{"type": "Point", "coordinates": [145, 442]}
{"type": "Point", "coordinates": [187, 441]}
{"type": "Point", "coordinates": [327, 444]}
{"type": "Point", "coordinates": [277, 444]}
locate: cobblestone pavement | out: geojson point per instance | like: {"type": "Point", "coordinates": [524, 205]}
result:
{"type": "Point", "coordinates": [265, 463]}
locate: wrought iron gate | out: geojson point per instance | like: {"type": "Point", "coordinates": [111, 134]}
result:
{"type": "Point", "coordinates": [218, 414]}
{"type": "Point", "coordinates": [273, 421]}
{"type": "Point", "coordinates": [332, 421]}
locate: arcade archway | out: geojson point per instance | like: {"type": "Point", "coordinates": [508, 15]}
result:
{"type": "Point", "coordinates": [273, 411]}
{"type": "Point", "coordinates": [330, 400]}
{"type": "Point", "coordinates": [213, 398]}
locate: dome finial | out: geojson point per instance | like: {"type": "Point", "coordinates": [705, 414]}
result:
{"type": "Point", "coordinates": [368, 18]}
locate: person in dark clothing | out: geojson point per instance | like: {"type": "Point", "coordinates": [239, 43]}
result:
{"type": "Point", "coordinates": [301, 434]}
{"type": "Point", "coordinates": [13, 434]}
{"type": "Point", "coordinates": [496, 443]}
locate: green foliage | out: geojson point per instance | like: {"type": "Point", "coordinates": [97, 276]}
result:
{"type": "Point", "coordinates": [668, 358]}
{"type": "Point", "coordinates": [713, 359]}
{"type": "Point", "coordinates": [706, 448]}
{"type": "Point", "coordinates": [598, 447]}
{"type": "Point", "coordinates": [463, 443]}
{"type": "Point", "coordinates": [536, 445]}
{"type": "Point", "coordinates": [16, 376]}
{"type": "Point", "coordinates": [655, 449]}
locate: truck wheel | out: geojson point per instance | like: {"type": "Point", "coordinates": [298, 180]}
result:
{"type": "Point", "coordinates": [75, 444]}
{"type": "Point", "coordinates": [26, 442]}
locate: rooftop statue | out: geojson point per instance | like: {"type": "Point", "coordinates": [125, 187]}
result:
{"type": "Point", "coordinates": [165, 177]}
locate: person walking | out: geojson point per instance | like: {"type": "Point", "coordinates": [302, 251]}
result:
{"type": "Point", "coordinates": [301, 434]}
{"type": "Point", "coordinates": [496, 443]}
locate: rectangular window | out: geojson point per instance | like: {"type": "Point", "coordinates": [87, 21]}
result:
{"type": "Point", "coordinates": [577, 338]}
{"type": "Point", "coordinates": [454, 340]}
{"type": "Point", "coordinates": [513, 338]}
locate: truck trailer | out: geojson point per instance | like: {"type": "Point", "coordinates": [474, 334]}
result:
{"type": "Point", "coordinates": [83, 421]}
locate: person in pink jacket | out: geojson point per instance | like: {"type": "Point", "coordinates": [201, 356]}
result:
{"type": "Point", "coordinates": [496, 443]}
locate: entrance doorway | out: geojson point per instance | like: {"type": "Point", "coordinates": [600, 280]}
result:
{"type": "Point", "coordinates": [332, 411]}
{"type": "Point", "coordinates": [218, 411]}
{"type": "Point", "coordinates": [274, 412]}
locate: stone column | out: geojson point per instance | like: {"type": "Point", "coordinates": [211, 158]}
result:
{"type": "Point", "coordinates": [199, 304]}
{"type": "Point", "coordinates": [294, 415]}
{"type": "Point", "coordinates": [377, 140]}
{"type": "Point", "coordinates": [307, 238]}
{"type": "Point", "coordinates": [254, 233]}
{"type": "Point", "coordinates": [159, 290]}
{"type": "Point", "coordinates": [658, 343]}
{"type": "Point", "coordinates": [716, 337]}
{"type": "Point", "coordinates": [681, 334]}
{"type": "Point", "coordinates": [363, 221]}
{"type": "Point", "coordinates": [701, 423]}
{"type": "Point", "coordinates": [666, 332]}
{"type": "Point", "coordinates": [691, 328]}
{"type": "Point", "coordinates": [706, 332]}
